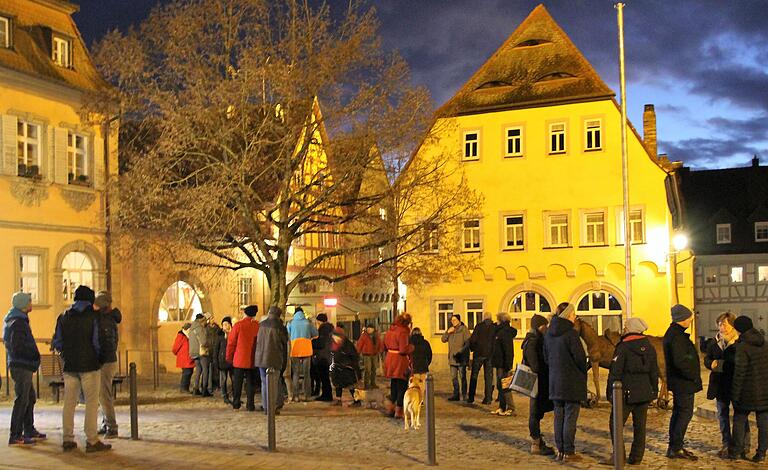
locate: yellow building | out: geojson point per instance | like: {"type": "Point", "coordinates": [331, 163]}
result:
{"type": "Point", "coordinates": [539, 134]}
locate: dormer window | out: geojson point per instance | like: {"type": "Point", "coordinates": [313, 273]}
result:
{"type": "Point", "coordinates": [62, 52]}
{"type": "Point", "coordinates": [5, 32]}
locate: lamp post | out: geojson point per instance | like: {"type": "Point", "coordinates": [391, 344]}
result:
{"type": "Point", "coordinates": [624, 164]}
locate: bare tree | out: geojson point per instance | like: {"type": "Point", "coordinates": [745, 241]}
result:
{"type": "Point", "coordinates": [225, 147]}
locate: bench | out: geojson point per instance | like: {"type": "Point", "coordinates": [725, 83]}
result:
{"type": "Point", "coordinates": [51, 366]}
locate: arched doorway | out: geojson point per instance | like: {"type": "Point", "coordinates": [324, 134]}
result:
{"type": "Point", "coordinates": [524, 306]}
{"type": "Point", "coordinates": [601, 309]}
{"type": "Point", "coordinates": [77, 269]}
{"type": "Point", "coordinates": [180, 303]}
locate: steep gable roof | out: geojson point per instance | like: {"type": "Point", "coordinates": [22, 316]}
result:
{"type": "Point", "coordinates": [538, 64]}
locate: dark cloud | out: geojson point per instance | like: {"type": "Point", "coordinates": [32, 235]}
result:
{"type": "Point", "coordinates": [702, 153]}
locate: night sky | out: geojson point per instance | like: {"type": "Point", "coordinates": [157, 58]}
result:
{"type": "Point", "coordinates": [701, 62]}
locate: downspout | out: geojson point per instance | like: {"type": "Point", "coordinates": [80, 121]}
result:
{"type": "Point", "coordinates": [107, 213]}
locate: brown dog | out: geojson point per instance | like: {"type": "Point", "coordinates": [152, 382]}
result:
{"type": "Point", "coordinates": [412, 401]}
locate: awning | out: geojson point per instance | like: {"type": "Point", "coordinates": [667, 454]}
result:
{"type": "Point", "coordinates": [349, 309]}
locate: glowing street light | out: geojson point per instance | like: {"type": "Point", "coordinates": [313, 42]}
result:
{"type": "Point", "coordinates": [330, 301]}
{"type": "Point", "coordinates": [680, 242]}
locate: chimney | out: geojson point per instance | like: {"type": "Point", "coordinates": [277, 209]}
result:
{"type": "Point", "coordinates": [649, 129]}
{"type": "Point", "coordinates": [755, 161]}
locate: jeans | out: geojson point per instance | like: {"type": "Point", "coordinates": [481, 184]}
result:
{"type": "Point", "coordinates": [505, 396]}
{"type": "Point", "coordinates": [300, 369]}
{"type": "Point", "coordinates": [250, 388]}
{"type": "Point", "coordinates": [201, 376]}
{"type": "Point", "coordinates": [186, 378]}
{"type": "Point", "coordinates": [682, 412]}
{"type": "Point", "coordinates": [456, 372]}
{"type": "Point", "coordinates": [225, 378]}
{"type": "Point", "coordinates": [106, 397]}
{"type": "Point", "coordinates": [724, 417]}
{"type": "Point", "coordinates": [397, 388]}
{"type": "Point", "coordinates": [370, 364]}
{"type": "Point", "coordinates": [485, 363]}
{"type": "Point", "coordinates": [88, 383]}
{"type": "Point", "coordinates": [566, 416]}
{"type": "Point", "coordinates": [740, 443]}
{"type": "Point", "coordinates": [534, 419]}
{"type": "Point", "coordinates": [280, 399]}
{"type": "Point", "coordinates": [23, 414]}
{"type": "Point", "coordinates": [639, 412]}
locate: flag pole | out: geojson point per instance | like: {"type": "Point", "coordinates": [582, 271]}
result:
{"type": "Point", "coordinates": [624, 165]}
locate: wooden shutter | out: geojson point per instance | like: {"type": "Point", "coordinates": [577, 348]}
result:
{"type": "Point", "coordinates": [8, 145]}
{"type": "Point", "coordinates": [60, 164]}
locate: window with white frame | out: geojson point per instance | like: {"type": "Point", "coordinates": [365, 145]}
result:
{"type": "Point", "coordinates": [762, 274]}
{"type": "Point", "coordinates": [245, 290]}
{"type": "Point", "coordinates": [594, 228]}
{"type": "Point", "coordinates": [710, 275]}
{"type": "Point", "coordinates": [28, 148]}
{"type": "Point", "coordinates": [514, 235]}
{"type": "Point", "coordinates": [524, 306]}
{"type": "Point", "coordinates": [443, 312]}
{"type": "Point", "coordinates": [737, 274]}
{"type": "Point", "coordinates": [514, 142]}
{"type": "Point", "coordinates": [636, 226]}
{"type": "Point", "coordinates": [470, 235]}
{"type": "Point", "coordinates": [474, 311]}
{"type": "Point", "coordinates": [601, 310]}
{"type": "Point", "coordinates": [557, 138]}
{"type": "Point", "coordinates": [77, 158]}
{"type": "Point", "coordinates": [62, 52]}
{"type": "Point", "coordinates": [723, 232]}
{"type": "Point", "coordinates": [557, 230]}
{"type": "Point", "coordinates": [593, 139]}
{"type": "Point", "coordinates": [471, 145]}
{"type": "Point", "coordinates": [5, 32]}
{"type": "Point", "coordinates": [30, 275]}
{"type": "Point", "coordinates": [77, 270]}
{"type": "Point", "coordinates": [761, 231]}
{"type": "Point", "coordinates": [431, 239]}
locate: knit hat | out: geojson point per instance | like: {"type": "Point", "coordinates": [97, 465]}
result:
{"type": "Point", "coordinates": [537, 321]}
{"type": "Point", "coordinates": [21, 300]}
{"type": "Point", "coordinates": [103, 299]}
{"type": "Point", "coordinates": [275, 311]}
{"type": "Point", "coordinates": [84, 293]}
{"type": "Point", "coordinates": [321, 317]}
{"type": "Point", "coordinates": [681, 313]}
{"type": "Point", "coordinates": [636, 325]}
{"type": "Point", "coordinates": [226, 320]}
{"type": "Point", "coordinates": [251, 310]}
{"type": "Point", "coordinates": [567, 311]}
{"type": "Point", "coordinates": [199, 316]}
{"type": "Point", "coordinates": [743, 323]}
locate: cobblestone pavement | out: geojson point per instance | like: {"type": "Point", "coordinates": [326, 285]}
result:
{"type": "Point", "coordinates": [190, 433]}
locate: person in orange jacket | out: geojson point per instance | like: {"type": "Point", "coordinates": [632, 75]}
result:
{"type": "Point", "coordinates": [369, 345]}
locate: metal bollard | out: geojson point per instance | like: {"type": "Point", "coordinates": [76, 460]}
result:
{"type": "Point", "coordinates": [271, 408]}
{"type": "Point", "coordinates": [618, 425]}
{"type": "Point", "coordinates": [156, 369]}
{"type": "Point", "coordinates": [431, 451]}
{"type": "Point", "coordinates": [134, 404]}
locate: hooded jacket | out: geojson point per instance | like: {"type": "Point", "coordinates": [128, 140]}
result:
{"type": "Point", "coordinates": [241, 343]}
{"type": "Point", "coordinates": [421, 357]}
{"type": "Point", "coordinates": [197, 337]}
{"type": "Point", "coordinates": [567, 361]}
{"type": "Point", "coordinates": [750, 376]}
{"type": "Point", "coordinates": [271, 344]}
{"type": "Point", "coordinates": [301, 332]}
{"type": "Point", "coordinates": [504, 349]}
{"type": "Point", "coordinates": [635, 365]}
{"type": "Point", "coordinates": [721, 377]}
{"type": "Point", "coordinates": [397, 362]}
{"type": "Point", "coordinates": [110, 338]}
{"type": "Point", "coordinates": [345, 363]}
{"type": "Point", "coordinates": [77, 338]}
{"type": "Point", "coordinates": [682, 361]}
{"type": "Point", "coordinates": [21, 348]}
{"type": "Point", "coordinates": [482, 339]}
{"type": "Point", "coordinates": [456, 342]}
{"type": "Point", "coordinates": [181, 351]}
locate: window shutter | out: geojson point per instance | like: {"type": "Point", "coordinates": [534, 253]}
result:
{"type": "Point", "coordinates": [50, 155]}
{"type": "Point", "coordinates": [8, 147]}
{"type": "Point", "coordinates": [60, 156]}
{"type": "Point", "coordinates": [98, 164]}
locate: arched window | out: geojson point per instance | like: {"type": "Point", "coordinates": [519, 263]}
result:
{"type": "Point", "coordinates": [181, 302]}
{"type": "Point", "coordinates": [524, 306]}
{"type": "Point", "coordinates": [77, 270]}
{"type": "Point", "coordinates": [600, 309]}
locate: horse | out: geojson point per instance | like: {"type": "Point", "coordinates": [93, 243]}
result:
{"type": "Point", "coordinates": [600, 350]}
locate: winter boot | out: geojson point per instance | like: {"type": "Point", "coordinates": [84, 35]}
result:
{"type": "Point", "coordinates": [399, 412]}
{"type": "Point", "coordinates": [539, 447]}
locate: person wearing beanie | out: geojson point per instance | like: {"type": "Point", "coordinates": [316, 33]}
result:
{"type": "Point", "coordinates": [457, 337]}
{"type": "Point", "coordinates": [109, 317]}
{"type": "Point", "coordinates": [749, 392]}
{"type": "Point", "coordinates": [180, 349]}
{"type": "Point", "coordinates": [301, 332]}
{"type": "Point", "coordinates": [272, 352]}
{"type": "Point", "coordinates": [220, 358]}
{"type": "Point", "coordinates": [502, 361]}
{"type": "Point", "coordinates": [533, 357]}
{"type": "Point", "coordinates": [79, 341]}
{"type": "Point", "coordinates": [635, 365]}
{"type": "Point", "coordinates": [321, 359]}
{"type": "Point", "coordinates": [421, 357]}
{"type": "Point", "coordinates": [683, 379]}
{"type": "Point", "coordinates": [345, 365]}
{"type": "Point", "coordinates": [199, 352]}
{"type": "Point", "coordinates": [241, 345]}
{"type": "Point", "coordinates": [23, 360]}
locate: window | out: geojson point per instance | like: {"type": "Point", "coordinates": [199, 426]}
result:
{"type": "Point", "coordinates": [594, 228]}
{"type": "Point", "coordinates": [557, 230]}
{"type": "Point", "coordinates": [514, 142]}
{"type": "Point", "coordinates": [557, 138]}
{"type": "Point", "coordinates": [444, 314]}
{"type": "Point", "coordinates": [762, 274]}
{"type": "Point", "coordinates": [593, 134]}
{"type": "Point", "coordinates": [524, 306]}
{"type": "Point", "coordinates": [737, 274]}
{"type": "Point", "coordinates": [636, 226]}
{"type": "Point", "coordinates": [470, 237]}
{"type": "Point", "coordinates": [28, 148]}
{"type": "Point", "coordinates": [77, 270]}
{"type": "Point", "coordinates": [601, 310]}
{"type": "Point", "coordinates": [382, 213]}
{"type": "Point", "coordinates": [77, 159]}
{"type": "Point", "coordinates": [245, 291]}
{"type": "Point", "coordinates": [761, 231]}
{"type": "Point", "coordinates": [474, 310]}
{"type": "Point", "coordinates": [180, 302]}
{"type": "Point", "coordinates": [5, 32]}
{"type": "Point", "coordinates": [471, 145]}
{"type": "Point", "coordinates": [30, 275]}
{"type": "Point", "coordinates": [710, 275]}
{"type": "Point", "coordinates": [62, 50]}
{"type": "Point", "coordinates": [431, 239]}
{"type": "Point", "coordinates": [513, 232]}
{"type": "Point", "coordinates": [723, 232]}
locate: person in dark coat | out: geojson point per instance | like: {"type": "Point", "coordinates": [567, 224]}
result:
{"type": "Point", "coordinates": [635, 365]}
{"type": "Point", "coordinates": [109, 317]}
{"type": "Point", "coordinates": [567, 363]}
{"type": "Point", "coordinates": [220, 357]}
{"type": "Point", "coordinates": [321, 359]}
{"type": "Point", "coordinates": [503, 359]}
{"type": "Point", "coordinates": [23, 360]}
{"type": "Point", "coordinates": [533, 357]}
{"type": "Point", "coordinates": [345, 365]}
{"type": "Point", "coordinates": [421, 357]}
{"type": "Point", "coordinates": [481, 344]}
{"type": "Point", "coordinates": [749, 391]}
{"type": "Point", "coordinates": [720, 359]}
{"type": "Point", "coordinates": [271, 352]}
{"type": "Point", "coordinates": [683, 379]}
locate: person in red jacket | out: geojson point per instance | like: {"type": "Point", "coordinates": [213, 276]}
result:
{"type": "Point", "coordinates": [369, 346]}
{"type": "Point", "coordinates": [241, 345]}
{"type": "Point", "coordinates": [183, 361]}
{"type": "Point", "coordinates": [396, 362]}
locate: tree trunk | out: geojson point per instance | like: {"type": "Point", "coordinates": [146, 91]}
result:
{"type": "Point", "coordinates": [395, 294]}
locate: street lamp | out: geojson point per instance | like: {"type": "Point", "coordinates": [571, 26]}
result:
{"type": "Point", "coordinates": [680, 241]}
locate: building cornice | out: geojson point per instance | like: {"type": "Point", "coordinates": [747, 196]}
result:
{"type": "Point", "coordinates": [9, 224]}
{"type": "Point", "coordinates": [60, 5]}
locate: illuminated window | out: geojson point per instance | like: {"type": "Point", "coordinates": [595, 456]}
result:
{"type": "Point", "coordinates": [62, 52]}
{"type": "Point", "coordinates": [5, 32]}
{"type": "Point", "coordinates": [762, 274]}
{"type": "Point", "coordinates": [593, 134]}
{"type": "Point", "coordinates": [30, 273]}
{"type": "Point", "coordinates": [601, 310]}
{"type": "Point", "coordinates": [737, 274]}
{"type": "Point", "coordinates": [513, 232]}
{"type": "Point", "coordinates": [723, 232]}
{"type": "Point", "coordinates": [28, 148]}
{"type": "Point", "coordinates": [181, 302]}
{"type": "Point", "coordinates": [471, 145]}
{"type": "Point", "coordinates": [524, 306]}
{"type": "Point", "coordinates": [514, 142]}
{"type": "Point", "coordinates": [636, 226]}
{"type": "Point", "coordinates": [593, 226]}
{"type": "Point", "coordinates": [474, 311]}
{"type": "Point", "coordinates": [77, 270]}
{"type": "Point", "coordinates": [710, 275]}
{"type": "Point", "coordinates": [557, 230]}
{"type": "Point", "coordinates": [470, 238]}
{"type": "Point", "coordinates": [761, 231]}
{"type": "Point", "coordinates": [245, 291]}
{"type": "Point", "coordinates": [557, 138]}
{"type": "Point", "coordinates": [443, 312]}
